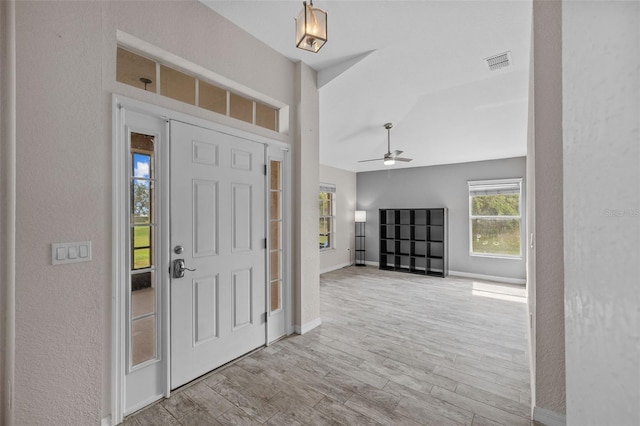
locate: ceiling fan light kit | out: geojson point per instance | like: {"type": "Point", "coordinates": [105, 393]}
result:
{"type": "Point", "coordinates": [389, 158]}
{"type": "Point", "coordinates": [311, 28]}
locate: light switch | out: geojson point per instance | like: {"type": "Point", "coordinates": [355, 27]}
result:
{"type": "Point", "coordinates": [61, 253]}
{"type": "Point", "coordinates": [73, 252]}
{"type": "Point", "coordinates": [70, 252]}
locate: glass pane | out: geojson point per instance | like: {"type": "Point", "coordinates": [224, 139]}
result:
{"type": "Point", "coordinates": [212, 98]}
{"type": "Point", "coordinates": [141, 258]}
{"type": "Point", "coordinates": [275, 175]}
{"type": "Point", "coordinates": [177, 85]}
{"type": "Point", "coordinates": [275, 295]}
{"type": "Point", "coordinates": [141, 237]}
{"type": "Point", "coordinates": [325, 204]}
{"type": "Point", "coordinates": [276, 235]}
{"type": "Point", "coordinates": [325, 229]}
{"type": "Point", "coordinates": [241, 108]}
{"type": "Point", "coordinates": [143, 340]}
{"type": "Point", "coordinates": [275, 265]}
{"type": "Point", "coordinates": [325, 225]}
{"type": "Point", "coordinates": [141, 194]}
{"type": "Point", "coordinates": [496, 236]}
{"type": "Point", "coordinates": [325, 241]}
{"type": "Point", "coordinates": [141, 142]}
{"type": "Point", "coordinates": [143, 299]}
{"type": "Point", "coordinates": [266, 116]}
{"type": "Point", "coordinates": [495, 205]}
{"type": "Point", "coordinates": [275, 205]}
{"type": "Point", "coordinates": [141, 166]}
{"type": "Point", "coordinates": [130, 68]}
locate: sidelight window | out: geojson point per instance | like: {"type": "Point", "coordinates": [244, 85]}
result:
{"type": "Point", "coordinates": [276, 220]}
{"type": "Point", "coordinates": [142, 301]}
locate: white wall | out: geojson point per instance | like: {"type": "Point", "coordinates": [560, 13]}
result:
{"type": "Point", "coordinates": [307, 276]}
{"type": "Point", "coordinates": [601, 120]}
{"type": "Point", "coordinates": [66, 55]}
{"type": "Point", "coordinates": [343, 252]}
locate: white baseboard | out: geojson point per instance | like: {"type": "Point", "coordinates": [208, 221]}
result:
{"type": "Point", "coordinates": [372, 263]}
{"type": "Point", "coordinates": [308, 326]}
{"type": "Point", "coordinates": [548, 417]}
{"type": "Point", "coordinates": [334, 268]}
{"type": "Point", "coordinates": [106, 421]}
{"type": "Point", "coordinates": [519, 281]}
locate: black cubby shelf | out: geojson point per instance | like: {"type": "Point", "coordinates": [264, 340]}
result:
{"type": "Point", "coordinates": [421, 231]}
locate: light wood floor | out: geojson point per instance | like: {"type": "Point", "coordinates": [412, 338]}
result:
{"type": "Point", "coordinates": [393, 349]}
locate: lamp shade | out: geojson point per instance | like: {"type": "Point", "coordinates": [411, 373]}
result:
{"type": "Point", "coordinates": [311, 28]}
{"type": "Point", "coordinates": [361, 216]}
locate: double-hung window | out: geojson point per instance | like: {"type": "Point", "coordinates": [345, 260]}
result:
{"type": "Point", "coordinates": [495, 218]}
{"type": "Point", "coordinates": [327, 215]}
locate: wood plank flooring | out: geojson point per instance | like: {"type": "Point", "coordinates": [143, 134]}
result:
{"type": "Point", "coordinates": [393, 349]}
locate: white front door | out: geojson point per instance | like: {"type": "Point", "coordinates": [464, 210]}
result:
{"type": "Point", "coordinates": [218, 229]}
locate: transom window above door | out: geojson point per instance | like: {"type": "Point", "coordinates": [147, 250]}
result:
{"type": "Point", "coordinates": [147, 74]}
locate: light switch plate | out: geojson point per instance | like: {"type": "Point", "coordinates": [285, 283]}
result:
{"type": "Point", "coordinates": [70, 252]}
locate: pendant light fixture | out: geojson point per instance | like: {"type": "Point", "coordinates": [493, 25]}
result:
{"type": "Point", "coordinates": [311, 28]}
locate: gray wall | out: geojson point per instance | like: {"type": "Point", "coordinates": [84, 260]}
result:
{"type": "Point", "coordinates": [439, 186]}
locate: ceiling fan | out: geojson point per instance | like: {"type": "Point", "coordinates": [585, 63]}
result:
{"type": "Point", "coordinates": [389, 158]}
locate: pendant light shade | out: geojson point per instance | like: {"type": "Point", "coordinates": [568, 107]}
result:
{"type": "Point", "coordinates": [311, 28]}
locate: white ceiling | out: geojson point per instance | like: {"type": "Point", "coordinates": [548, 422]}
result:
{"type": "Point", "coordinates": [417, 64]}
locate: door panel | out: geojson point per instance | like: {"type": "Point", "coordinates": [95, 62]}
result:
{"type": "Point", "coordinates": [242, 299]}
{"type": "Point", "coordinates": [204, 309]}
{"type": "Point", "coordinates": [241, 217]}
{"type": "Point", "coordinates": [204, 218]}
{"type": "Point", "coordinates": [218, 219]}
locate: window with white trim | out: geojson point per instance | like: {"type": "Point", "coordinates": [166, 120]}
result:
{"type": "Point", "coordinates": [495, 218]}
{"type": "Point", "coordinates": [327, 216]}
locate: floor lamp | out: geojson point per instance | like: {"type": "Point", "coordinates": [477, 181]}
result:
{"type": "Point", "coordinates": [361, 219]}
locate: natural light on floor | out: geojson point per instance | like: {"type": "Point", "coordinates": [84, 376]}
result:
{"type": "Point", "coordinates": [512, 293]}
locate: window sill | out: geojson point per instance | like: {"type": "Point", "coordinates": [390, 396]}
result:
{"type": "Point", "coordinates": [327, 250]}
{"type": "Point", "coordinates": [496, 256]}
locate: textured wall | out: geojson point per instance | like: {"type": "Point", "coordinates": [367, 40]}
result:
{"type": "Point", "coordinates": [7, 111]}
{"type": "Point", "coordinates": [343, 252]}
{"type": "Point", "coordinates": [439, 186]}
{"type": "Point", "coordinates": [307, 259]}
{"type": "Point", "coordinates": [601, 100]}
{"type": "Point", "coordinates": [549, 278]}
{"type": "Point", "coordinates": [63, 195]}
{"type": "Point", "coordinates": [66, 75]}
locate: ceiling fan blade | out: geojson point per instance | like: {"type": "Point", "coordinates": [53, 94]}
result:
{"type": "Point", "coordinates": [406, 160]}
{"type": "Point", "coordinates": [395, 153]}
{"type": "Point", "coordinates": [375, 159]}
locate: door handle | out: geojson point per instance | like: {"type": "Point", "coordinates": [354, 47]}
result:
{"type": "Point", "coordinates": [179, 268]}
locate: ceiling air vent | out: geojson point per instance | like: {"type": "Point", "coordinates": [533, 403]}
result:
{"type": "Point", "coordinates": [499, 61]}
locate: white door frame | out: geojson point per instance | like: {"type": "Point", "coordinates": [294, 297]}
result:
{"type": "Point", "coordinates": [120, 236]}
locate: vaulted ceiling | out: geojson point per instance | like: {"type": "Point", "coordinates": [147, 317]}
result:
{"type": "Point", "coordinates": [418, 64]}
